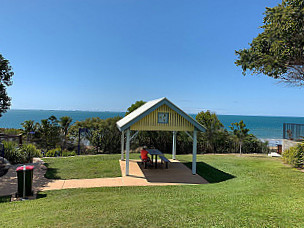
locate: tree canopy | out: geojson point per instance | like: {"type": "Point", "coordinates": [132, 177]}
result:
{"type": "Point", "coordinates": [213, 128]}
{"type": "Point", "coordinates": [134, 106]}
{"type": "Point", "coordinates": [6, 75]}
{"type": "Point", "coordinates": [278, 51]}
{"type": "Point", "coordinates": [240, 132]}
{"type": "Point", "coordinates": [65, 124]}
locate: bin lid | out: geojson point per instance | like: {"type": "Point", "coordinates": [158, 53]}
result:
{"type": "Point", "coordinates": [27, 167]}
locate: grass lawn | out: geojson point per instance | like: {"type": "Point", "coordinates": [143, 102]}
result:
{"type": "Point", "coordinates": [245, 191]}
{"type": "Point", "coordinates": [82, 167]}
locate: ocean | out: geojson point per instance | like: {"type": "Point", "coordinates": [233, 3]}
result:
{"type": "Point", "coordinates": [264, 127]}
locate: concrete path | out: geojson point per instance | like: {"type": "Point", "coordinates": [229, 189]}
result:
{"type": "Point", "coordinates": [176, 174]}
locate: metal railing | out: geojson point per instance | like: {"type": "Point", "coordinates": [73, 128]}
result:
{"type": "Point", "coordinates": [293, 131]}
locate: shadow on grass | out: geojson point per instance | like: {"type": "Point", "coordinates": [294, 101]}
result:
{"type": "Point", "coordinates": [5, 199]}
{"type": "Point", "coordinates": [209, 173]}
{"type": "Point", "coordinates": [51, 173]}
{"type": "Point", "coordinates": [41, 195]}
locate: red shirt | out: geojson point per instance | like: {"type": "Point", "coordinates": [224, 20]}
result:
{"type": "Point", "coordinates": [144, 154]}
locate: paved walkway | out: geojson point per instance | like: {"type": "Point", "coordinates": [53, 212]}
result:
{"type": "Point", "coordinates": [175, 175]}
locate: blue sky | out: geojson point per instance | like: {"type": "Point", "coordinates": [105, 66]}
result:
{"type": "Point", "coordinates": [105, 55]}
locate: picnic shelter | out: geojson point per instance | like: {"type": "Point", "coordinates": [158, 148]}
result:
{"type": "Point", "coordinates": [158, 115]}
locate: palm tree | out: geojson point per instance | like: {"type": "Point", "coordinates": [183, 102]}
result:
{"type": "Point", "coordinates": [65, 123]}
{"type": "Point", "coordinates": [29, 128]}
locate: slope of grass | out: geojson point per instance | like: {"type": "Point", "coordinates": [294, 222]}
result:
{"type": "Point", "coordinates": [262, 193]}
{"type": "Point", "coordinates": [83, 167]}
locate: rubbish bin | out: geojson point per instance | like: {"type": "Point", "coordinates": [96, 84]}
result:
{"type": "Point", "coordinates": [279, 149]}
{"type": "Point", "coordinates": [25, 180]}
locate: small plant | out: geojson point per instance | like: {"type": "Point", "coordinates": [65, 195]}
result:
{"type": "Point", "coordinates": [12, 153]}
{"type": "Point", "coordinates": [66, 153]}
{"type": "Point", "coordinates": [30, 151]}
{"type": "Point", "coordinates": [53, 153]}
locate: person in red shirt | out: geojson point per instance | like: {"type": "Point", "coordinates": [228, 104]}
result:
{"type": "Point", "coordinates": [144, 155]}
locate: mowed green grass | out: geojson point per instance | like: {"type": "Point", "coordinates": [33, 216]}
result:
{"type": "Point", "coordinates": [245, 192]}
{"type": "Point", "coordinates": [83, 167]}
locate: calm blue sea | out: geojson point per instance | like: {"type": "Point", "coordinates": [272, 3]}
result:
{"type": "Point", "coordinates": [264, 127]}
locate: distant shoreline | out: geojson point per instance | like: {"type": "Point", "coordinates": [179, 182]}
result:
{"type": "Point", "coordinates": [76, 110]}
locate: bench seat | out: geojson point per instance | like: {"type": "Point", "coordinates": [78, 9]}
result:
{"type": "Point", "coordinates": [164, 159]}
{"type": "Point", "coordinates": [143, 162]}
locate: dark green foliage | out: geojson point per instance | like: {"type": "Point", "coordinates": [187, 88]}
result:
{"type": "Point", "coordinates": [184, 144]}
{"type": "Point", "coordinates": [11, 152]}
{"type": "Point", "coordinates": [134, 106]}
{"type": "Point", "coordinates": [278, 51]}
{"type": "Point", "coordinates": [29, 129]}
{"type": "Point", "coordinates": [295, 155]}
{"type": "Point", "coordinates": [22, 154]}
{"type": "Point", "coordinates": [53, 152]}
{"type": "Point", "coordinates": [48, 133]}
{"type": "Point", "coordinates": [30, 151]}
{"type": "Point", "coordinates": [65, 124]}
{"type": "Point", "coordinates": [106, 137]}
{"type": "Point", "coordinates": [58, 152]}
{"type": "Point", "coordinates": [66, 153]}
{"type": "Point", "coordinates": [252, 144]}
{"type": "Point", "coordinates": [161, 140]}
{"type": "Point", "coordinates": [214, 129]}
{"type": "Point", "coordinates": [240, 132]}
{"type": "Point", "coordinates": [6, 75]}
{"type": "Point", "coordinates": [10, 131]}
{"type": "Point", "coordinates": [5, 199]}
{"type": "Point", "coordinates": [102, 134]}
{"type": "Point", "coordinates": [91, 124]}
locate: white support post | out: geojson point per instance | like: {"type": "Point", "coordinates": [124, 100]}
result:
{"type": "Point", "coordinates": [194, 152]}
{"type": "Point", "coordinates": [127, 151]}
{"type": "Point", "coordinates": [174, 146]}
{"type": "Point", "coordinates": [134, 136]}
{"type": "Point", "coordinates": [189, 135]}
{"type": "Point", "coordinates": [122, 145]}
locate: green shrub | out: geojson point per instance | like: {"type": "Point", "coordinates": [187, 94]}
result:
{"type": "Point", "coordinates": [53, 153]}
{"type": "Point", "coordinates": [30, 151]}
{"type": "Point", "coordinates": [12, 153]}
{"type": "Point", "coordinates": [252, 144]}
{"type": "Point", "coordinates": [294, 155]}
{"type": "Point", "coordinates": [23, 154]}
{"type": "Point", "coordinates": [10, 131]}
{"type": "Point", "coordinates": [57, 152]}
{"type": "Point", "coordinates": [67, 153]}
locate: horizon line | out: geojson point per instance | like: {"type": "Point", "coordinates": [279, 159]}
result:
{"type": "Point", "coordinates": [77, 110]}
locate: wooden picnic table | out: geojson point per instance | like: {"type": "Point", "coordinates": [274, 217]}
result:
{"type": "Point", "coordinates": [155, 152]}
